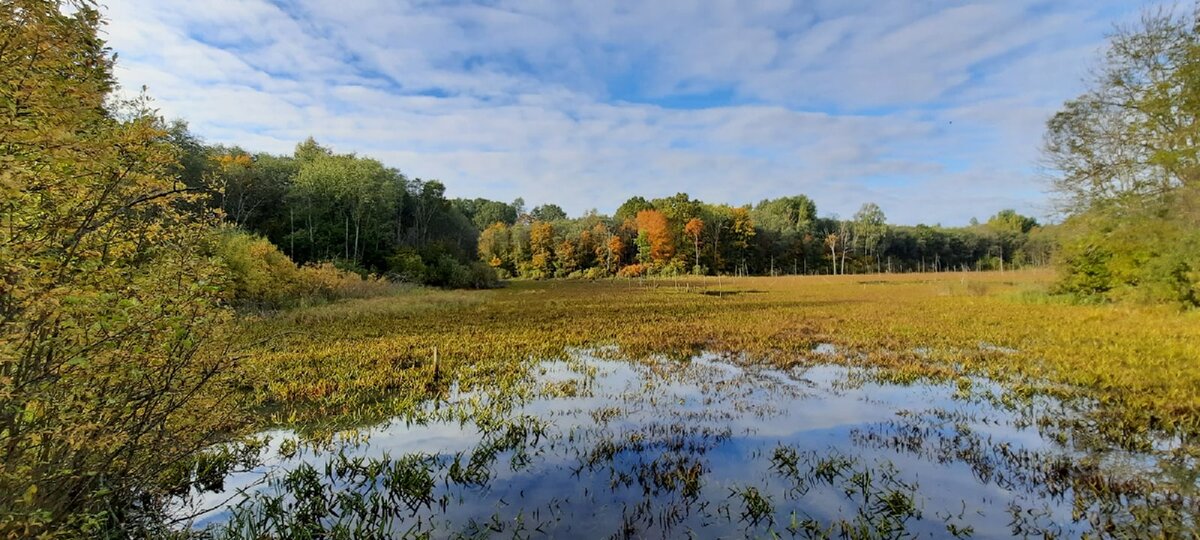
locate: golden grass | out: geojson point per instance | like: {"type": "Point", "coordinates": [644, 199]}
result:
{"type": "Point", "coordinates": [364, 359]}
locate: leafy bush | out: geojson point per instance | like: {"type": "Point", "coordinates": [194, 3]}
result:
{"type": "Point", "coordinates": [407, 266]}
{"type": "Point", "coordinates": [440, 269]}
{"type": "Point", "coordinates": [1131, 258]}
{"type": "Point", "coordinates": [326, 281]}
{"type": "Point", "coordinates": [674, 268]}
{"type": "Point", "coordinates": [596, 272]}
{"type": "Point", "coordinates": [633, 270]}
{"type": "Point", "coordinates": [258, 272]}
{"type": "Point", "coordinates": [482, 276]}
{"type": "Point", "coordinates": [261, 276]}
{"type": "Point", "coordinates": [113, 351]}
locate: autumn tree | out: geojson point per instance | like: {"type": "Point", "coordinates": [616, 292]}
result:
{"type": "Point", "coordinates": [751, 240]}
{"type": "Point", "coordinates": [741, 229]}
{"type": "Point", "coordinates": [693, 229]}
{"type": "Point", "coordinates": [541, 247]}
{"type": "Point", "coordinates": [566, 257]}
{"type": "Point", "coordinates": [615, 252]}
{"type": "Point", "coordinates": [658, 233]}
{"type": "Point", "coordinates": [495, 246]}
{"type": "Point", "coordinates": [112, 374]}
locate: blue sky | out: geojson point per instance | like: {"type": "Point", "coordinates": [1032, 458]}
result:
{"type": "Point", "coordinates": [932, 109]}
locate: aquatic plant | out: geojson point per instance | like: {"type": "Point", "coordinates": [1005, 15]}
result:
{"type": "Point", "coordinates": [1093, 378]}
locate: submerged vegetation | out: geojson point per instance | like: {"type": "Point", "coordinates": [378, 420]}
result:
{"type": "Point", "coordinates": [367, 356]}
{"type": "Point", "coordinates": [714, 445]}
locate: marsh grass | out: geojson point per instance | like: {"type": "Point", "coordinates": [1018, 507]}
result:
{"type": "Point", "coordinates": [360, 361]}
{"type": "Point", "coordinates": [1123, 377]}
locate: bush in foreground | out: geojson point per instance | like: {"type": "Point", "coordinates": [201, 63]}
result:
{"type": "Point", "coordinates": [113, 369]}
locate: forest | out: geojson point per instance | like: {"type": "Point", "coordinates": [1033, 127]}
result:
{"type": "Point", "coordinates": [175, 313]}
{"type": "Point", "coordinates": [361, 216]}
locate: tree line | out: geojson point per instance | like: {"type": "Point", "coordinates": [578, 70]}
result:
{"type": "Point", "coordinates": [316, 205]}
{"type": "Point", "coordinates": [1124, 156]}
{"type": "Point", "coordinates": [681, 235]}
{"type": "Point", "coordinates": [353, 212]}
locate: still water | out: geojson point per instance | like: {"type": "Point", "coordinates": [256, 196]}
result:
{"type": "Point", "coordinates": [707, 447]}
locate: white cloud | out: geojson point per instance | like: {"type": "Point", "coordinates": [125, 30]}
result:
{"type": "Point", "coordinates": [934, 110]}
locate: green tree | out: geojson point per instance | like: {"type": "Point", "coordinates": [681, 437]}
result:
{"type": "Point", "coordinates": [870, 228]}
{"type": "Point", "coordinates": [348, 195]}
{"type": "Point", "coordinates": [548, 212]}
{"type": "Point", "coordinates": [484, 213]}
{"type": "Point", "coordinates": [630, 208]}
{"type": "Point", "coordinates": [1128, 176]}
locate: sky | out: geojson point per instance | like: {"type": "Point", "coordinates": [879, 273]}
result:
{"type": "Point", "coordinates": [932, 109]}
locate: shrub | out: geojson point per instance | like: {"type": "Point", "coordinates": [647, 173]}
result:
{"type": "Point", "coordinates": [672, 269]}
{"type": "Point", "coordinates": [633, 271]}
{"type": "Point", "coordinates": [438, 268]}
{"type": "Point", "coordinates": [113, 358]}
{"type": "Point", "coordinates": [407, 266]}
{"type": "Point", "coordinates": [261, 276]}
{"type": "Point", "coordinates": [1131, 256]}
{"type": "Point", "coordinates": [325, 281]}
{"type": "Point", "coordinates": [483, 276]}
{"type": "Point", "coordinates": [596, 272]}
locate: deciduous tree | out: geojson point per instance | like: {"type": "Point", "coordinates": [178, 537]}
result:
{"type": "Point", "coordinates": [693, 229]}
{"type": "Point", "coordinates": [112, 373]}
{"type": "Point", "coordinates": [658, 233]}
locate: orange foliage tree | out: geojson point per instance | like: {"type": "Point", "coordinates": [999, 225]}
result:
{"type": "Point", "coordinates": [616, 247]}
{"type": "Point", "coordinates": [655, 225]}
{"type": "Point", "coordinates": [693, 228]}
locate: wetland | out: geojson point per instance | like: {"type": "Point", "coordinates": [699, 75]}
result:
{"type": "Point", "coordinates": [681, 408]}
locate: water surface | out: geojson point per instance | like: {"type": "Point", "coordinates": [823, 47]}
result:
{"type": "Point", "coordinates": [708, 447]}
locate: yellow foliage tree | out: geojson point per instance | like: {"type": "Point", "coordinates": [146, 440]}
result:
{"type": "Point", "coordinates": [110, 379]}
{"type": "Point", "coordinates": [541, 245]}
